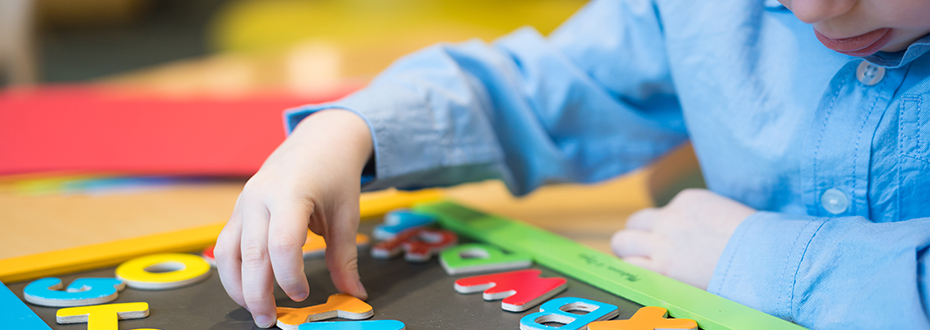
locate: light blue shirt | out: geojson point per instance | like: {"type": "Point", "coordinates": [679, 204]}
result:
{"type": "Point", "coordinates": [833, 152]}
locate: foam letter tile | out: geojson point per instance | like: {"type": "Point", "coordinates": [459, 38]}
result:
{"type": "Point", "coordinates": [419, 243]}
{"type": "Point", "coordinates": [315, 247]}
{"type": "Point", "coordinates": [163, 271]}
{"type": "Point", "coordinates": [481, 258]}
{"type": "Point", "coordinates": [399, 220]}
{"type": "Point", "coordinates": [646, 318]}
{"type": "Point", "coordinates": [354, 325]}
{"type": "Point", "coordinates": [559, 310]}
{"type": "Point", "coordinates": [338, 305]}
{"type": "Point", "coordinates": [520, 290]}
{"type": "Point", "coordinates": [103, 317]}
{"type": "Point", "coordinates": [14, 314]}
{"type": "Point", "coordinates": [81, 292]}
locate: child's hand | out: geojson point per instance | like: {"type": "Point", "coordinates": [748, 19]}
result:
{"type": "Point", "coordinates": [311, 180]}
{"type": "Point", "coordinates": [685, 238]}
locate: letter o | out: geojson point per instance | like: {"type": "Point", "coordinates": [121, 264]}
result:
{"type": "Point", "coordinates": [163, 271]}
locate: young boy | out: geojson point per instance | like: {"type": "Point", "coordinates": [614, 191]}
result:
{"type": "Point", "coordinates": [814, 143]}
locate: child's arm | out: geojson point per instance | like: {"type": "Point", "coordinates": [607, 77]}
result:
{"type": "Point", "coordinates": [822, 273]}
{"type": "Point", "coordinates": [311, 180]}
{"type": "Point", "coordinates": [830, 273]}
{"type": "Point", "coordinates": [592, 101]}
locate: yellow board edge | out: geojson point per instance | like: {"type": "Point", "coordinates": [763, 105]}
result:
{"type": "Point", "coordinates": [373, 207]}
{"type": "Point", "coordinates": [112, 253]}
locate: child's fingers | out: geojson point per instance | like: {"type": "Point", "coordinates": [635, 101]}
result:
{"type": "Point", "coordinates": [257, 285]}
{"type": "Point", "coordinates": [632, 243]}
{"type": "Point", "coordinates": [641, 262]}
{"type": "Point", "coordinates": [341, 251]}
{"type": "Point", "coordinates": [287, 233]}
{"type": "Point", "coordinates": [644, 219]}
{"type": "Point", "coordinates": [226, 254]}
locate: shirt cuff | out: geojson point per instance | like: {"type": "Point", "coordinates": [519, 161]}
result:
{"type": "Point", "coordinates": [760, 262]}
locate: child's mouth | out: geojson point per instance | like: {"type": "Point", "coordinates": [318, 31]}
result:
{"type": "Point", "coordinates": [861, 45]}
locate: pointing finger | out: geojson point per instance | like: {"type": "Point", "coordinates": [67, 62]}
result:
{"type": "Point", "coordinates": [287, 233]}
{"type": "Point", "coordinates": [342, 253]}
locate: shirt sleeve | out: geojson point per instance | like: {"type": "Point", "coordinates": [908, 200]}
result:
{"type": "Point", "coordinates": [829, 273]}
{"type": "Point", "coordinates": [590, 102]}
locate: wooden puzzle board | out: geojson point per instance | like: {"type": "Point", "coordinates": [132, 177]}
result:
{"type": "Point", "coordinates": [420, 295]}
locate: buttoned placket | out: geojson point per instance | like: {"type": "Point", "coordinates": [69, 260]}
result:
{"type": "Point", "coordinates": [835, 169]}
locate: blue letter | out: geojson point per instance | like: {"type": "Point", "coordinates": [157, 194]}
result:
{"type": "Point", "coordinates": [398, 221]}
{"type": "Point", "coordinates": [557, 311]}
{"type": "Point", "coordinates": [83, 291]}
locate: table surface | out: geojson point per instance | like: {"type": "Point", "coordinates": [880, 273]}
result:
{"type": "Point", "coordinates": [48, 222]}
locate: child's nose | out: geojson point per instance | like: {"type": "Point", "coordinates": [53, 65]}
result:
{"type": "Point", "coordinates": [814, 11]}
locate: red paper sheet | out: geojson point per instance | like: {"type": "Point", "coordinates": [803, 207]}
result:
{"type": "Point", "coordinates": [104, 130]}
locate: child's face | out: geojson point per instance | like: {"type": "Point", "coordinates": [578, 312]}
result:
{"type": "Point", "coordinates": [863, 27]}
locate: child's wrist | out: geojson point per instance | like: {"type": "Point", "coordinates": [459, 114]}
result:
{"type": "Point", "coordinates": [341, 130]}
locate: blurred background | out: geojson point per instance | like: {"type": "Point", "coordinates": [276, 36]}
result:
{"type": "Point", "coordinates": [92, 74]}
{"type": "Point", "coordinates": [76, 41]}
{"type": "Point", "coordinates": [196, 88]}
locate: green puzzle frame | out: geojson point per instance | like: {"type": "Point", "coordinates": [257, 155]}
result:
{"type": "Point", "coordinates": [603, 271]}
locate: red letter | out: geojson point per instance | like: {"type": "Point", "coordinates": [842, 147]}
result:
{"type": "Point", "coordinates": [520, 289]}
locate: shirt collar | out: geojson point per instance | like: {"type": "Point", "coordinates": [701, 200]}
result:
{"type": "Point", "coordinates": [898, 59]}
{"type": "Point", "coordinates": [773, 4]}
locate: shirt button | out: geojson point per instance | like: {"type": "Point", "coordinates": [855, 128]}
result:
{"type": "Point", "coordinates": [834, 201]}
{"type": "Point", "coordinates": [869, 74]}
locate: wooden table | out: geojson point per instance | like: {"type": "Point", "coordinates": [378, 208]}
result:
{"type": "Point", "coordinates": [41, 223]}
